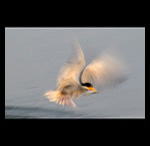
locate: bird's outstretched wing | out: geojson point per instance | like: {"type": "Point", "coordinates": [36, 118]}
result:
{"type": "Point", "coordinates": [104, 72]}
{"type": "Point", "coordinates": [69, 73]}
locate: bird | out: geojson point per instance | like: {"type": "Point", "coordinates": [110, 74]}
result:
{"type": "Point", "coordinates": [77, 79]}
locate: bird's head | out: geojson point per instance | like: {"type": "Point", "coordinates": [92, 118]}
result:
{"type": "Point", "coordinates": [89, 88]}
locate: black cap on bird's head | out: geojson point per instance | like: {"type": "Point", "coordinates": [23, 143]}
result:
{"type": "Point", "coordinates": [90, 88]}
{"type": "Point", "coordinates": [87, 84]}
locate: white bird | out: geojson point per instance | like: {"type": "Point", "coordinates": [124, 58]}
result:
{"type": "Point", "coordinates": [76, 79]}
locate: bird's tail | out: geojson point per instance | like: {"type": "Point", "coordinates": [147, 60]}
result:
{"type": "Point", "coordinates": [58, 97]}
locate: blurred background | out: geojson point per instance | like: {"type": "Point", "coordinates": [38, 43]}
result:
{"type": "Point", "coordinates": [34, 56]}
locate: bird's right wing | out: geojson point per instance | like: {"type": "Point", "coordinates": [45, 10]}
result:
{"type": "Point", "coordinates": [69, 73]}
{"type": "Point", "coordinates": [105, 71]}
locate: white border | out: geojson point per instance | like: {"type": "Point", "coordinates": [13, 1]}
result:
{"type": "Point", "coordinates": [74, 27]}
{"type": "Point", "coordinates": [86, 118]}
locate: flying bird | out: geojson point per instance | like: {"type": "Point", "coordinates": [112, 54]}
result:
{"type": "Point", "coordinates": [76, 78]}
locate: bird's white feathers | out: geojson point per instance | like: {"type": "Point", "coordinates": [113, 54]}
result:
{"type": "Point", "coordinates": [105, 71]}
{"type": "Point", "coordinates": [69, 73]}
{"type": "Point", "coordinates": [56, 96]}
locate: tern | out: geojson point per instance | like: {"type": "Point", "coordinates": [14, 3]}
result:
{"type": "Point", "coordinates": [76, 78]}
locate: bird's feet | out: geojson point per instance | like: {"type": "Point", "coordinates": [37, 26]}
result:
{"type": "Point", "coordinates": [66, 100]}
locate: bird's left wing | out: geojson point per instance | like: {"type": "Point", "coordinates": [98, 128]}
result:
{"type": "Point", "coordinates": [69, 73]}
{"type": "Point", "coordinates": [105, 71]}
